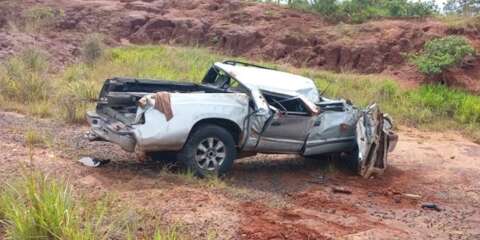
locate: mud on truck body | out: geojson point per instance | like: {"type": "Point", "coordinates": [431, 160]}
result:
{"type": "Point", "coordinates": [239, 109]}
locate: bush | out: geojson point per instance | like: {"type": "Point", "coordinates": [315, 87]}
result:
{"type": "Point", "coordinates": [39, 17]}
{"type": "Point", "coordinates": [92, 49]}
{"type": "Point", "coordinates": [78, 90]}
{"type": "Point", "coordinates": [442, 53]}
{"type": "Point", "coordinates": [357, 11]}
{"type": "Point", "coordinates": [33, 138]}
{"type": "Point", "coordinates": [25, 77]}
{"type": "Point", "coordinates": [41, 109]}
{"type": "Point", "coordinates": [447, 103]}
{"type": "Point", "coordinates": [41, 208]}
{"type": "Point", "coordinates": [36, 206]}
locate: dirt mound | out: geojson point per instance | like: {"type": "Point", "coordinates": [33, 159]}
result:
{"type": "Point", "coordinates": [261, 31]}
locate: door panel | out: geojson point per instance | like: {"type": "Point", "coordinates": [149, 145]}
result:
{"type": "Point", "coordinates": [333, 131]}
{"type": "Point", "coordinates": [285, 133]}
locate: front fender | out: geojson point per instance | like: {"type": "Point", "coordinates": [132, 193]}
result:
{"type": "Point", "coordinates": [375, 138]}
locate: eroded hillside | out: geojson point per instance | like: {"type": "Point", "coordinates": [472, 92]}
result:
{"type": "Point", "coordinates": [261, 31]}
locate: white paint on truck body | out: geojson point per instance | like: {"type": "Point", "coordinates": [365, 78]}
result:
{"type": "Point", "coordinates": [273, 81]}
{"type": "Point", "coordinates": [188, 109]}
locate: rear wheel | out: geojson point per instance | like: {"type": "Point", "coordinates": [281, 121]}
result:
{"type": "Point", "coordinates": [210, 149]}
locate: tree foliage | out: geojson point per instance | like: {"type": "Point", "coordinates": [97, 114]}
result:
{"type": "Point", "coordinates": [442, 53]}
{"type": "Point", "coordinates": [462, 7]}
{"type": "Point", "coordinates": [357, 11]}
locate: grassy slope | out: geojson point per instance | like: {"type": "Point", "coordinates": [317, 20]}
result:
{"type": "Point", "coordinates": [432, 107]}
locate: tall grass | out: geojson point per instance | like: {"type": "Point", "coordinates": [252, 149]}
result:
{"type": "Point", "coordinates": [38, 18]}
{"type": "Point", "coordinates": [92, 49]}
{"type": "Point", "coordinates": [24, 77]}
{"type": "Point", "coordinates": [457, 21]}
{"type": "Point", "coordinates": [37, 207]}
{"type": "Point", "coordinates": [169, 234]}
{"type": "Point", "coordinates": [78, 85]}
{"type": "Point", "coordinates": [34, 138]}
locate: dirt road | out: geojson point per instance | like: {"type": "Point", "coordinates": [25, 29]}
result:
{"type": "Point", "coordinates": [272, 197]}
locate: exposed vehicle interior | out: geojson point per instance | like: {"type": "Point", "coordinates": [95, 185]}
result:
{"type": "Point", "coordinates": [286, 104]}
{"type": "Point", "coordinates": [119, 96]}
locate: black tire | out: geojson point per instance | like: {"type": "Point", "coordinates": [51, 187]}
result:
{"type": "Point", "coordinates": [351, 160]}
{"type": "Point", "coordinates": [162, 156]}
{"type": "Point", "coordinates": [191, 155]}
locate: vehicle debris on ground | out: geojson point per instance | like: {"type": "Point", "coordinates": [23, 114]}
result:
{"type": "Point", "coordinates": [93, 162]}
{"type": "Point", "coordinates": [431, 206]}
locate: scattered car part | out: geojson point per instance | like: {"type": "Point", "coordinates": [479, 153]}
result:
{"type": "Point", "coordinates": [341, 190]}
{"type": "Point", "coordinates": [411, 196]}
{"type": "Point", "coordinates": [93, 162]}
{"type": "Point", "coordinates": [431, 206]}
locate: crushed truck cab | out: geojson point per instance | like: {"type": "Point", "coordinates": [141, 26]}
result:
{"type": "Point", "coordinates": [238, 109]}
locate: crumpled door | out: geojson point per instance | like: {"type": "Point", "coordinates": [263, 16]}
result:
{"type": "Point", "coordinates": [372, 136]}
{"type": "Point", "coordinates": [257, 120]}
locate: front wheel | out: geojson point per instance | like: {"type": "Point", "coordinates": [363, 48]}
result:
{"type": "Point", "coordinates": [210, 149]}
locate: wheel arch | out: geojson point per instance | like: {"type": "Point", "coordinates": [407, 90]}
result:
{"type": "Point", "coordinates": [231, 126]}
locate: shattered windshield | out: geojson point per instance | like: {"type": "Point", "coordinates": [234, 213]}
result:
{"type": "Point", "coordinates": [220, 79]}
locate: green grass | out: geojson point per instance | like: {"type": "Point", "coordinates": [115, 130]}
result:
{"type": "Point", "coordinates": [24, 77]}
{"type": "Point", "coordinates": [431, 107]}
{"type": "Point", "coordinates": [37, 207]}
{"type": "Point", "coordinates": [169, 234]}
{"type": "Point", "coordinates": [428, 104]}
{"type": "Point", "coordinates": [358, 11]}
{"type": "Point", "coordinates": [38, 18]}
{"type": "Point", "coordinates": [458, 21]}
{"type": "Point", "coordinates": [33, 137]}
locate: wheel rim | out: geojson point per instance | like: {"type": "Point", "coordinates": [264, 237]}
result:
{"type": "Point", "coordinates": [210, 153]}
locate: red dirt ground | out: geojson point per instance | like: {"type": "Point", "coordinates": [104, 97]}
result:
{"type": "Point", "coordinates": [274, 196]}
{"type": "Point", "coordinates": [267, 196]}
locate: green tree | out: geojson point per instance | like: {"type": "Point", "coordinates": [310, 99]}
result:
{"type": "Point", "coordinates": [357, 11]}
{"type": "Point", "coordinates": [463, 7]}
{"type": "Point", "coordinates": [442, 53]}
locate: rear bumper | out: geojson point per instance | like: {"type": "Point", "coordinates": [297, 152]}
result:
{"type": "Point", "coordinates": [105, 129]}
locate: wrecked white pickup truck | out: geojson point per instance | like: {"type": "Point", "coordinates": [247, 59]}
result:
{"type": "Point", "coordinates": [239, 109]}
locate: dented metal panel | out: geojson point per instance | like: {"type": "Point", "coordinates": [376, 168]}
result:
{"type": "Point", "coordinates": [188, 108]}
{"type": "Point", "coordinates": [372, 139]}
{"type": "Point", "coordinates": [285, 133]}
{"type": "Point", "coordinates": [332, 131]}
{"type": "Point", "coordinates": [272, 80]}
